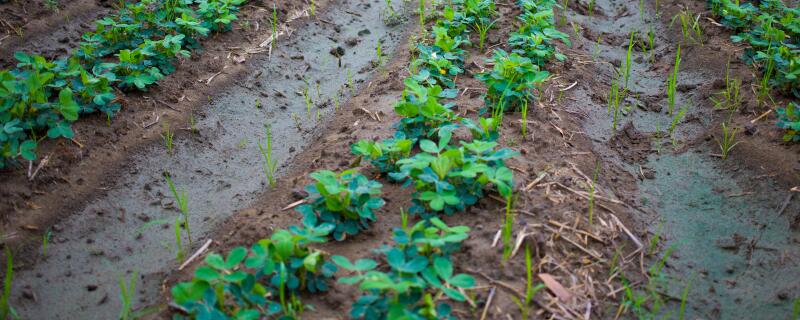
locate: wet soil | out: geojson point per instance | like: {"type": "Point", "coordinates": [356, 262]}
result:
{"type": "Point", "coordinates": [732, 224]}
{"type": "Point", "coordinates": [728, 224]}
{"type": "Point", "coordinates": [124, 229]}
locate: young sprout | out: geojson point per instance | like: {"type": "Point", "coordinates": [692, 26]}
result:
{"type": "Point", "coordinates": [627, 69]}
{"type": "Point", "coordinates": [685, 296]}
{"type": "Point", "coordinates": [596, 51]}
{"type": "Point", "coordinates": [268, 164]}
{"type": "Point", "coordinates": [192, 124]}
{"type": "Point", "coordinates": [677, 119]}
{"type": "Point", "coordinates": [651, 249]}
{"type": "Point", "coordinates": [126, 292]}
{"type": "Point", "coordinates": [615, 99]}
{"type": "Point", "coordinates": [379, 54]}
{"type": "Point", "coordinates": [45, 241]}
{"type": "Point", "coordinates": [313, 7]}
{"type": "Point", "coordinates": [182, 200]}
{"type": "Point", "coordinates": [350, 80]}
{"type": "Point", "coordinates": [178, 243]}
{"type": "Point", "coordinates": [690, 26]}
{"type": "Point", "coordinates": [482, 25]}
{"type": "Point", "coordinates": [763, 89]}
{"type": "Point", "coordinates": [530, 289]}
{"type": "Point", "coordinates": [167, 135]}
{"type": "Point", "coordinates": [728, 99]}
{"type": "Point", "coordinates": [421, 13]}
{"type": "Point", "coordinates": [507, 230]}
{"type": "Point", "coordinates": [728, 140]}
{"type": "Point", "coordinates": [591, 7]}
{"type": "Point", "coordinates": [307, 99]}
{"type": "Point", "coordinates": [524, 111]}
{"type": "Point", "coordinates": [336, 101]}
{"type": "Point", "coordinates": [5, 309]}
{"type": "Point", "coordinates": [672, 82]}
{"type": "Point", "coordinates": [390, 10]}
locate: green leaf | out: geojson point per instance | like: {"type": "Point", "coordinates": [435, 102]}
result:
{"type": "Point", "coordinates": [462, 281]}
{"type": "Point", "coordinates": [235, 257]}
{"type": "Point", "coordinates": [206, 273]}
{"type": "Point", "coordinates": [28, 150]}
{"type": "Point", "coordinates": [68, 108]}
{"type": "Point", "coordinates": [443, 267]}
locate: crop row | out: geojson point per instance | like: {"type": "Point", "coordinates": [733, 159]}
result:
{"type": "Point", "coordinates": [773, 32]}
{"type": "Point", "coordinates": [447, 176]}
{"type": "Point", "coordinates": [128, 50]}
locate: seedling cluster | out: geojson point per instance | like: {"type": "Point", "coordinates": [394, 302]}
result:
{"type": "Point", "coordinates": [130, 49]}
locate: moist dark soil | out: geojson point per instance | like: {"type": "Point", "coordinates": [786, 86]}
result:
{"type": "Point", "coordinates": [644, 179]}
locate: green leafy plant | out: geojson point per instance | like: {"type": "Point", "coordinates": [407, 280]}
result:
{"type": "Point", "coordinates": [482, 26]}
{"type": "Point", "coordinates": [422, 113]}
{"type": "Point", "coordinates": [384, 154]}
{"type": "Point", "coordinates": [627, 73]}
{"type": "Point", "coordinates": [45, 241]}
{"type": "Point", "coordinates": [507, 230]}
{"type": "Point", "coordinates": [447, 179]}
{"type": "Point", "coordinates": [264, 281]}
{"type": "Point", "coordinates": [420, 275]}
{"type": "Point", "coordinates": [789, 120]}
{"type": "Point", "coordinates": [486, 128]}
{"type": "Point", "coordinates": [511, 80]}
{"type": "Point", "coordinates": [345, 201]}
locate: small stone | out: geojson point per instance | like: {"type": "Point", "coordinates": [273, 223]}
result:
{"type": "Point", "coordinates": [298, 194]}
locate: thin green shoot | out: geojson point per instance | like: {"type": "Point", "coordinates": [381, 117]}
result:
{"type": "Point", "coordinates": [268, 164]}
{"type": "Point", "coordinates": [379, 54]}
{"type": "Point", "coordinates": [45, 241]}
{"type": "Point", "coordinates": [729, 99]}
{"type": "Point", "coordinates": [307, 99]}
{"type": "Point", "coordinates": [627, 69]}
{"type": "Point", "coordinates": [421, 12]}
{"type": "Point", "coordinates": [763, 89]}
{"type": "Point", "coordinates": [507, 230]}
{"type": "Point", "coordinates": [651, 249]}
{"type": "Point", "coordinates": [615, 99]}
{"type": "Point", "coordinates": [313, 8]}
{"type": "Point", "coordinates": [182, 200]}
{"type": "Point", "coordinates": [5, 309]}
{"type": "Point", "coordinates": [672, 83]}
{"type": "Point", "coordinates": [591, 7]}
{"type": "Point", "coordinates": [336, 101]}
{"type": "Point", "coordinates": [728, 140]}
{"type": "Point", "coordinates": [390, 9]}
{"type": "Point", "coordinates": [684, 298]}
{"type": "Point", "coordinates": [676, 120]}
{"type": "Point", "coordinates": [596, 51]}
{"type": "Point", "coordinates": [403, 219]}
{"type": "Point", "coordinates": [690, 26]}
{"type": "Point", "coordinates": [178, 242]}
{"type": "Point", "coordinates": [796, 309]}
{"type": "Point", "coordinates": [530, 289]}
{"type": "Point", "coordinates": [482, 25]}
{"type": "Point", "coordinates": [592, 190]}
{"type": "Point", "coordinates": [350, 80]}
{"type": "Point", "coordinates": [167, 136]}
{"type": "Point", "coordinates": [192, 124]}
{"type": "Point", "coordinates": [126, 292]}
{"type": "Point", "coordinates": [524, 115]}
